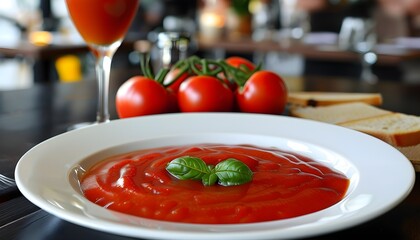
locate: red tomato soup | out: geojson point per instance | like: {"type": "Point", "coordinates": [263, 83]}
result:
{"type": "Point", "coordinates": [284, 185]}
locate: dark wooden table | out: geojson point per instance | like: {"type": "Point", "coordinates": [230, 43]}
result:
{"type": "Point", "coordinates": [30, 116]}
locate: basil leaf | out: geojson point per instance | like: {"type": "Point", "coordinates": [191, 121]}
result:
{"type": "Point", "coordinates": [232, 172]}
{"type": "Point", "coordinates": [187, 168]}
{"type": "Point", "coordinates": [229, 172]}
{"type": "Point", "coordinates": [209, 179]}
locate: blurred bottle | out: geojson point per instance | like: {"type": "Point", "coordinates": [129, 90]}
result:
{"type": "Point", "coordinates": [167, 49]}
{"type": "Point", "coordinates": [239, 19]}
{"type": "Point", "coordinates": [212, 19]}
{"type": "Point", "coordinates": [264, 15]}
{"type": "Point", "coordinates": [294, 21]}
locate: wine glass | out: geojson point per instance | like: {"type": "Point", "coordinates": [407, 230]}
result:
{"type": "Point", "coordinates": [366, 48]}
{"type": "Point", "coordinates": [103, 25]}
{"type": "Point", "coordinates": [358, 35]}
{"type": "Point", "coordinates": [294, 21]}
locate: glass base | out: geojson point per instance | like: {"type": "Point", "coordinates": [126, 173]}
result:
{"type": "Point", "coordinates": [81, 125]}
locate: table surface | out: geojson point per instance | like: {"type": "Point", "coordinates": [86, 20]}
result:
{"type": "Point", "coordinates": [29, 116]}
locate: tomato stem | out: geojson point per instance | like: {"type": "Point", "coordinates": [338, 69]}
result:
{"type": "Point", "coordinates": [160, 76]}
{"type": "Point", "coordinates": [201, 66]}
{"type": "Point", "coordinates": [205, 66]}
{"type": "Point", "coordinates": [239, 75]}
{"type": "Point", "coordinates": [193, 63]}
{"type": "Point", "coordinates": [181, 70]}
{"type": "Point", "coordinates": [145, 66]}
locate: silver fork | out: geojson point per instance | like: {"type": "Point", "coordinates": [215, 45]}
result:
{"type": "Point", "coordinates": [6, 182]}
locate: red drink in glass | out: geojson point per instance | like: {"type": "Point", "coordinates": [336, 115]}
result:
{"type": "Point", "coordinates": [103, 25]}
{"type": "Point", "coordinates": [102, 22]}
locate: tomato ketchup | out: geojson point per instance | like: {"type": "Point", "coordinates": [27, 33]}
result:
{"type": "Point", "coordinates": [284, 185]}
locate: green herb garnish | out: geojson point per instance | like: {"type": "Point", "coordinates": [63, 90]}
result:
{"type": "Point", "coordinates": [229, 172]}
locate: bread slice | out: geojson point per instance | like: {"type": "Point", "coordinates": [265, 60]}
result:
{"type": "Point", "coordinates": [400, 130]}
{"type": "Point", "coordinates": [413, 154]}
{"type": "Point", "coordinates": [329, 98]}
{"type": "Point", "coordinates": [339, 113]}
{"type": "Point", "coordinates": [397, 129]}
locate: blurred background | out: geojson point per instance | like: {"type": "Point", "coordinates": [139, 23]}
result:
{"type": "Point", "coordinates": [369, 40]}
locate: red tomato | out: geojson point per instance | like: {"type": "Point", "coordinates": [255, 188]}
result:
{"type": "Point", "coordinates": [174, 83]}
{"type": "Point", "coordinates": [173, 101]}
{"type": "Point", "coordinates": [264, 92]}
{"type": "Point", "coordinates": [204, 94]}
{"type": "Point", "coordinates": [235, 61]}
{"type": "Point", "coordinates": [141, 96]}
{"type": "Point", "coordinates": [231, 84]}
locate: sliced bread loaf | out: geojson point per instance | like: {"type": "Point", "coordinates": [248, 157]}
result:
{"type": "Point", "coordinates": [330, 98]}
{"type": "Point", "coordinates": [396, 129]}
{"type": "Point", "coordinates": [339, 113]}
{"type": "Point", "coordinates": [399, 130]}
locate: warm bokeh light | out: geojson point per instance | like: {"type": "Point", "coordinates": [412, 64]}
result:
{"type": "Point", "coordinates": [212, 19]}
{"type": "Point", "coordinates": [40, 38]}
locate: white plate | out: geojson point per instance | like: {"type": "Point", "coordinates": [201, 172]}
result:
{"type": "Point", "coordinates": [380, 176]}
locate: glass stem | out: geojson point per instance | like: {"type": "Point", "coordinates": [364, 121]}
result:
{"type": "Point", "coordinates": [103, 56]}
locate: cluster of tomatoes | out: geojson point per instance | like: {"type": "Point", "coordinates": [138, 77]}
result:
{"type": "Point", "coordinates": [203, 85]}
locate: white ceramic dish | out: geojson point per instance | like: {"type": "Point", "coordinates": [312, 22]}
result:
{"type": "Point", "coordinates": [46, 174]}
